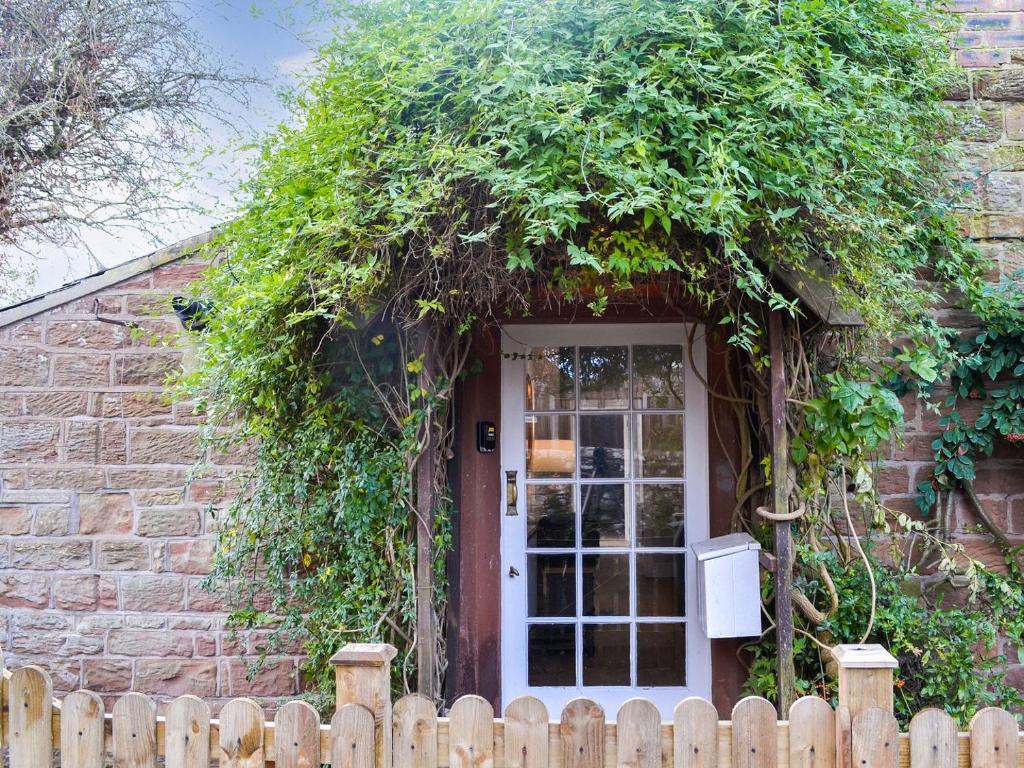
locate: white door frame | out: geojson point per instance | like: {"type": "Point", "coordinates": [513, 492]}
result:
{"type": "Point", "coordinates": [516, 340]}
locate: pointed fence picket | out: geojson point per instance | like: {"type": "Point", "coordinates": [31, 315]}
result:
{"type": "Point", "coordinates": [132, 735]}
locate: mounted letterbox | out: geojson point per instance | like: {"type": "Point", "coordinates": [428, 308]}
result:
{"type": "Point", "coordinates": [728, 585]}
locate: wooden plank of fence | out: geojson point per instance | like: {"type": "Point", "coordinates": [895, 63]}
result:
{"type": "Point", "coordinates": [81, 731]}
{"type": "Point", "coordinates": [844, 737]}
{"type": "Point", "coordinates": [582, 734]}
{"type": "Point", "coordinates": [297, 736]}
{"type": "Point", "coordinates": [526, 733]}
{"type": "Point", "coordinates": [812, 734]}
{"type": "Point", "coordinates": [994, 739]}
{"type": "Point", "coordinates": [414, 738]}
{"type": "Point", "coordinates": [187, 733]}
{"type": "Point", "coordinates": [933, 740]}
{"type": "Point", "coordinates": [638, 734]}
{"type": "Point", "coordinates": [241, 735]}
{"type": "Point", "coordinates": [875, 737]}
{"type": "Point", "coordinates": [134, 732]}
{"type": "Point", "coordinates": [754, 734]}
{"type": "Point", "coordinates": [695, 737]}
{"type": "Point", "coordinates": [30, 729]}
{"type": "Point", "coordinates": [471, 733]}
{"type": "Point", "coordinates": [353, 741]}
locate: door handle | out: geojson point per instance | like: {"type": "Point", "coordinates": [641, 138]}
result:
{"type": "Point", "coordinates": [511, 493]}
{"type": "Point", "coordinates": [512, 571]}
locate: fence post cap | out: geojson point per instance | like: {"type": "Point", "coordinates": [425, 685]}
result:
{"type": "Point", "coordinates": [364, 654]}
{"type": "Point", "coordinates": [866, 656]}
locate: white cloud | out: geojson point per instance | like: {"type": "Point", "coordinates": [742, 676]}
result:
{"type": "Point", "coordinates": [295, 65]}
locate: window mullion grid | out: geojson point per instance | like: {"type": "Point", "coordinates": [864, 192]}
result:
{"type": "Point", "coordinates": [578, 522]}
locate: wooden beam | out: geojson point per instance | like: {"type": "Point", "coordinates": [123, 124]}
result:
{"type": "Point", "coordinates": [780, 505]}
{"type": "Point", "coordinates": [426, 626]}
{"type": "Point", "coordinates": [812, 285]}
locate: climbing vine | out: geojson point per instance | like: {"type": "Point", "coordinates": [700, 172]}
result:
{"type": "Point", "coordinates": [457, 162]}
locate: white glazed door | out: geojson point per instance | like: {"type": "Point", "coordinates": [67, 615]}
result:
{"type": "Point", "coordinates": [604, 449]}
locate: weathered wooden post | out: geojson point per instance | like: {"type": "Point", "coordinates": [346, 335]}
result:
{"type": "Point", "coordinates": [865, 683]}
{"type": "Point", "coordinates": [362, 672]}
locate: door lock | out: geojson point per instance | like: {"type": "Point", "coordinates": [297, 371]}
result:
{"type": "Point", "coordinates": [511, 493]}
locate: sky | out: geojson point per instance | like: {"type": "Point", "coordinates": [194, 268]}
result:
{"type": "Point", "coordinates": [274, 39]}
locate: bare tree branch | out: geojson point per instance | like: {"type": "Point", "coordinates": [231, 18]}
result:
{"type": "Point", "coordinates": [101, 103]}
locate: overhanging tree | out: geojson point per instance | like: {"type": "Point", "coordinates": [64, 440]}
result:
{"type": "Point", "coordinates": [100, 103]}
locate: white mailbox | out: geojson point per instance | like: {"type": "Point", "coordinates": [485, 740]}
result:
{"type": "Point", "coordinates": [728, 585]}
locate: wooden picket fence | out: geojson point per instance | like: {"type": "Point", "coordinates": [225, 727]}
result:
{"type": "Point", "coordinates": [414, 736]}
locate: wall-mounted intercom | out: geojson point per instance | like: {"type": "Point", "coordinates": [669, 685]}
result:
{"type": "Point", "coordinates": [486, 436]}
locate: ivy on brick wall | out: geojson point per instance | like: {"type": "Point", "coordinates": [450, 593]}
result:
{"type": "Point", "coordinates": [456, 161]}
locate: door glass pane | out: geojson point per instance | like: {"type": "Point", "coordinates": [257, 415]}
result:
{"type": "Point", "coordinates": [659, 445]}
{"type": "Point", "coordinates": [550, 516]}
{"type": "Point", "coordinates": [550, 446]}
{"type": "Point", "coordinates": [603, 446]}
{"type": "Point", "coordinates": [604, 378]}
{"type": "Point", "coordinates": [604, 449]}
{"type": "Point", "coordinates": [660, 521]}
{"type": "Point", "coordinates": [606, 585]}
{"type": "Point", "coordinates": [551, 379]}
{"type": "Point", "coordinates": [604, 515]}
{"type": "Point", "coordinates": [658, 376]}
{"type": "Point", "coordinates": [552, 585]}
{"type": "Point", "coordinates": [606, 654]}
{"type": "Point", "coordinates": [661, 654]}
{"type": "Point", "coordinates": [659, 585]}
{"type": "Point", "coordinates": [552, 654]}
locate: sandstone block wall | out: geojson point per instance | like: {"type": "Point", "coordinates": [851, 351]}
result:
{"type": "Point", "coordinates": [990, 48]}
{"type": "Point", "coordinates": [105, 534]}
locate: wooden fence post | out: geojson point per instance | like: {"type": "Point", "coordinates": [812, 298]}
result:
{"type": "Point", "coordinates": [865, 677]}
{"type": "Point", "coordinates": [865, 708]}
{"type": "Point", "coordinates": [362, 672]}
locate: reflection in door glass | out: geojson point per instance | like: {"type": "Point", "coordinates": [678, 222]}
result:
{"type": "Point", "coordinates": [552, 587]}
{"type": "Point", "coordinates": [659, 445]}
{"type": "Point", "coordinates": [658, 376]}
{"type": "Point", "coordinates": [604, 378]}
{"type": "Point", "coordinates": [552, 654]}
{"type": "Point", "coordinates": [606, 585]}
{"type": "Point", "coordinates": [659, 515]}
{"type": "Point", "coordinates": [550, 446]}
{"type": "Point", "coordinates": [550, 516]}
{"type": "Point", "coordinates": [660, 654]}
{"type": "Point", "coordinates": [606, 654]}
{"type": "Point", "coordinates": [603, 446]}
{"type": "Point", "coordinates": [659, 585]}
{"type": "Point", "coordinates": [551, 379]}
{"type": "Point", "coordinates": [604, 515]}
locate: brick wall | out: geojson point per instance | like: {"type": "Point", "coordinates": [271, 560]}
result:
{"type": "Point", "coordinates": [990, 47]}
{"type": "Point", "coordinates": [104, 532]}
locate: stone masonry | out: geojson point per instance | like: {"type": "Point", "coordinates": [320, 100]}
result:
{"type": "Point", "coordinates": [990, 48]}
{"type": "Point", "coordinates": [105, 534]}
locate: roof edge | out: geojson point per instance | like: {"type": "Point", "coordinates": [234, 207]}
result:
{"type": "Point", "coordinates": [104, 279]}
